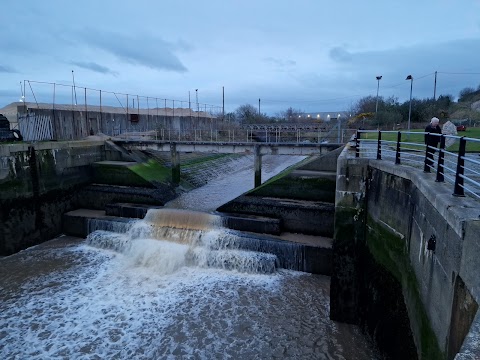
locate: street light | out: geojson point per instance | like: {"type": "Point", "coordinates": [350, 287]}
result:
{"type": "Point", "coordinates": [339, 124]}
{"type": "Point", "coordinates": [410, 77]}
{"type": "Point", "coordinates": [376, 105]}
{"type": "Point", "coordinates": [198, 107]}
{"type": "Point", "coordinates": [196, 98]}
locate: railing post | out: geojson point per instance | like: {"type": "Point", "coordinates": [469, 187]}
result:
{"type": "Point", "coordinates": [379, 146]}
{"type": "Point", "coordinates": [458, 190]}
{"type": "Point", "coordinates": [427, 163]}
{"type": "Point", "coordinates": [397, 154]}
{"type": "Point", "coordinates": [257, 166]}
{"type": "Point", "coordinates": [357, 144]}
{"type": "Point", "coordinates": [441, 160]}
{"type": "Point", "coordinates": [175, 156]}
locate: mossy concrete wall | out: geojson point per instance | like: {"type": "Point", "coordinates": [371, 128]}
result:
{"type": "Point", "coordinates": [384, 216]}
{"type": "Point", "coordinates": [38, 183]}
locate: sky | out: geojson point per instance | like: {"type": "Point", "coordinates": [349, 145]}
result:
{"type": "Point", "coordinates": [312, 55]}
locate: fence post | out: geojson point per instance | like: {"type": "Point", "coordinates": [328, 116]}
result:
{"type": "Point", "coordinates": [397, 154]}
{"type": "Point", "coordinates": [458, 190]}
{"type": "Point", "coordinates": [428, 162]}
{"type": "Point", "coordinates": [379, 146]}
{"type": "Point", "coordinates": [441, 160]}
{"type": "Point", "coordinates": [357, 144]}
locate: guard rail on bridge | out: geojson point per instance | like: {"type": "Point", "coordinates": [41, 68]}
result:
{"type": "Point", "coordinates": [251, 133]}
{"type": "Point", "coordinates": [451, 162]}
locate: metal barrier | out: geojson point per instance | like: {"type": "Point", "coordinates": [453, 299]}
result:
{"type": "Point", "coordinates": [238, 134]}
{"type": "Point", "coordinates": [451, 163]}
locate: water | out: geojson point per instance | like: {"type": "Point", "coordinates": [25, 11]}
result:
{"type": "Point", "coordinates": [228, 186]}
{"type": "Point", "coordinates": [68, 300]}
{"type": "Point", "coordinates": [176, 285]}
{"type": "Point", "coordinates": [169, 239]}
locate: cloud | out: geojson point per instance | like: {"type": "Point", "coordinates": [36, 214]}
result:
{"type": "Point", "coordinates": [340, 54]}
{"type": "Point", "coordinates": [152, 52]}
{"type": "Point", "coordinates": [7, 69]}
{"type": "Point", "coordinates": [280, 63]}
{"type": "Point", "coordinates": [452, 59]}
{"type": "Point", "coordinates": [94, 67]}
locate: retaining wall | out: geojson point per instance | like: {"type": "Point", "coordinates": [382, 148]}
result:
{"type": "Point", "coordinates": [38, 183]}
{"type": "Point", "coordinates": [386, 279]}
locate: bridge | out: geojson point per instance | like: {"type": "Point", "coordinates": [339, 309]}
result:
{"type": "Point", "coordinates": [248, 148]}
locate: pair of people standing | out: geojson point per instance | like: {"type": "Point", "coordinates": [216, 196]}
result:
{"type": "Point", "coordinates": [432, 142]}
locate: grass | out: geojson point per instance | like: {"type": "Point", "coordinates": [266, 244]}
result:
{"type": "Point", "coordinates": [472, 146]}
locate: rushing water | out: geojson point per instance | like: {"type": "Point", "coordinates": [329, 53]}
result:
{"type": "Point", "coordinates": [171, 286]}
{"type": "Point", "coordinates": [228, 186]}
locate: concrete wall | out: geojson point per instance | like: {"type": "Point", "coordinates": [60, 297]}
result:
{"type": "Point", "coordinates": [384, 216]}
{"type": "Point", "coordinates": [77, 124]}
{"type": "Point", "coordinates": [313, 218]}
{"type": "Point", "coordinates": [38, 183]}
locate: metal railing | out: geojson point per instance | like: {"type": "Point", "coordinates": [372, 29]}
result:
{"type": "Point", "coordinates": [449, 162]}
{"type": "Point", "coordinates": [237, 134]}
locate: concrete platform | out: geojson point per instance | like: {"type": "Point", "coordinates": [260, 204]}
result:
{"type": "Point", "coordinates": [76, 222]}
{"type": "Point", "coordinates": [297, 216]}
{"type": "Point", "coordinates": [129, 210]}
{"type": "Point", "coordinates": [252, 223]}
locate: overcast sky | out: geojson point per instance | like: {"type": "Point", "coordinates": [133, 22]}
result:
{"type": "Point", "coordinates": [313, 55]}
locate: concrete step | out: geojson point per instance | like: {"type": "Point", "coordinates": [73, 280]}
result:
{"type": "Point", "coordinates": [79, 222]}
{"type": "Point", "coordinates": [97, 196]}
{"type": "Point", "coordinates": [252, 223]}
{"type": "Point", "coordinates": [129, 210]}
{"type": "Point", "coordinates": [298, 216]}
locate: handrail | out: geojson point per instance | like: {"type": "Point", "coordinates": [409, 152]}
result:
{"type": "Point", "coordinates": [463, 173]}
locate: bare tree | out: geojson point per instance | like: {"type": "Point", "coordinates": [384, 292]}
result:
{"type": "Point", "coordinates": [290, 115]}
{"type": "Point", "coordinates": [246, 114]}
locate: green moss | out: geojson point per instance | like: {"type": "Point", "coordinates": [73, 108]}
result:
{"type": "Point", "coordinates": [390, 251]}
{"type": "Point", "coordinates": [152, 171]}
{"type": "Point", "coordinates": [118, 175]}
{"type": "Point", "coordinates": [10, 189]}
{"type": "Point", "coordinates": [266, 187]}
{"type": "Point", "coordinates": [285, 172]}
{"type": "Point", "coordinates": [314, 189]}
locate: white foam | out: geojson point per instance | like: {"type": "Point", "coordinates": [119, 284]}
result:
{"type": "Point", "coordinates": [161, 257]}
{"type": "Point", "coordinates": [106, 305]}
{"type": "Point", "coordinates": [167, 240]}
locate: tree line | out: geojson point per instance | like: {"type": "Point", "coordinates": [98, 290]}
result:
{"type": "Point", "coordinates": [390, 114]}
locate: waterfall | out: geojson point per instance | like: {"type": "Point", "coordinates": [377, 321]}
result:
{"type": "Point", "coordinates": [168, 239]}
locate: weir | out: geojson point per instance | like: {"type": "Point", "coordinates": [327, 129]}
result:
{"type": "Point", "coordinates": [205, 242]}
{"type": "Point", "coordinates": [258, 149]}
{"type": "Point", "coordinates": [168, 239]}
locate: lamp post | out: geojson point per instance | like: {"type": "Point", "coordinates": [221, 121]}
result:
{"type": "Point", "coordinates": [339, 124]}
{"type": "Point", "coordinates": [376, 104]}
{"type": "Point", "coordinates": [410, 77]}
{"type": "Point", "coordinates": [196, 100]}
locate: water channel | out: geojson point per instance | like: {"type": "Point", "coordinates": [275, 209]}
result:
{"type": "Point", "coordinates": [168, 289]}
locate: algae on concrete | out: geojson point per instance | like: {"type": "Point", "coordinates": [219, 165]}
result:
{"type": "Point", "coordinates": [391, 252]}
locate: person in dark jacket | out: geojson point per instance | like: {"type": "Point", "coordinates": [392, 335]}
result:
{"type": "Point", "coordinates": [431, 141]}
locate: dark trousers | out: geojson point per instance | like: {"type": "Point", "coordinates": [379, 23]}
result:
{"type": "Point", "coordinates": [429, 158]}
